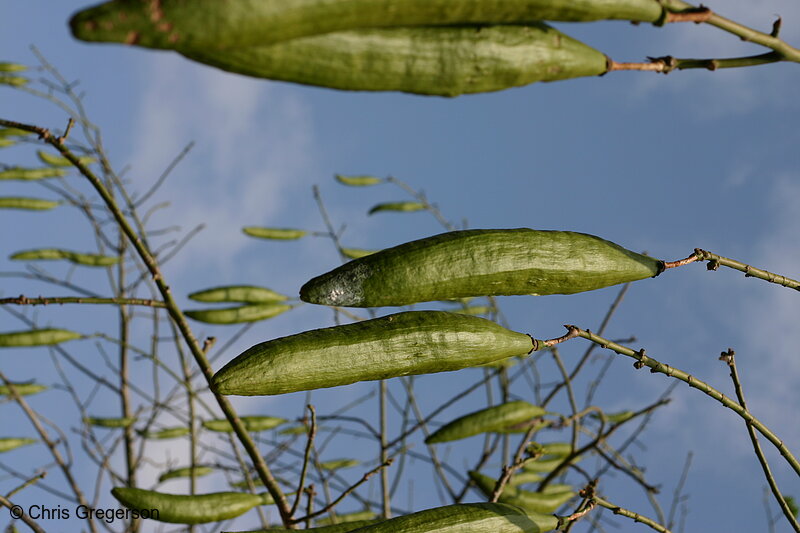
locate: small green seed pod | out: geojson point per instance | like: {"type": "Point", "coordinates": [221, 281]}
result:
{"type": "Point", "coordinates": [251, 423]}
{"type": "Point", "coordinates": [348, 518]}
{"type": "Point", "coordinates": [11, 443]}
{"type": "Point", "coordinates": [250, 294]}
{"type": "Point", "coordinates": [14, 132]}
{"type": "Point", "coordinates": [31, 204]}
{"type": "Point", "coordinates": [396, 206]}
{"type": "Point", "coordinates": [210, 24]}
{"type": "Point", "coordinates": [337, 464]}
{"type": "Point", "coordinates": [176, 473]}
{"type": "Point", "coordinates": [111, 423]}
{"type": "Point", "coordinates": [281, 234]}
{"type": "Point", "coordinates": [14, 81]}
{"type": "Point", "coordinates": [23, 389]}
{"type": "Point", "coordinates": [188, 509]}
{"type": "Point", "coordinates": [12, 67]}
{"type": "Point", "coordinates": [166, 433]}
{"type": "Point", "coordinates": [238, 315]}
{"type": "Point", "coordinates": [48, 254]}
{"type": "Point", "coordinates": [36, 337]}
{"type": "Point", "coordinates": [355, 253]}
{"type": "Point", "coordinates": [60, 161]}
{"type": "Point", "coordinates": [28, 174]}
{"type": "Point", "coordinates": [441, 61]}
{"type": "Point", "coordinates": [502, 418]}
{"type": "Point", "coordinates": [531, 502]}
{"type": "Point", "coordinates": [480, 263]}
{"type": "Point", "coordinates": [415, 342]}
{"type": "Point", "coordinates": [358, 181]}
{"type": "Point", "coordinates": [5, 143]}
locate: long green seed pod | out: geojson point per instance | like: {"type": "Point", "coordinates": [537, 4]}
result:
{"type": "Point", "coordinates": [93, 260]}
{"type": "Point", "coordinates": [166, 433]}
{"type": "Point", "coordinates": [111, 423]}
{"type": "Point", "coordinates": [531, 502]}
{"type": "Point", "coordinates": [281, 234]}
{"type": "Point", "coordinates": [415, 342]}
{"type": "Point", "coordinates": [176, 473]}
{"type": "Point", "coordinates": [358, 516]}
{"type": "Point", "coordinates": [14, 132]}
{"type": "Point", "coordinates": [23, 389]}
{"type": "Point", "coordinates": [467, 518]}
{"type": "Point", "coordinates": [334, 528]}
{"type": "Point", "coordinates": [396, 206]}
{"type": "Point", "coordinates": [60, 161]}
{"type": "Point", "coordinates": [250, 294]}
{"type": "Point", "coordinates": [442, 61]}
{"type": "Point", "coordinates": [251, 423]}
{"type": "Point", "coordinates": [210, 24]}
{"type": "Point", "coordinates": [337, 464]}
{"type": "Point", "coordinates": [36, 337]}
{"type": "Point", "coordinates": [358, 181]}
{"type": "Point", "coordinates": [188, 509]}
{"type": "Point", "coordinates": [499, 418]}
{"type": "Point", "coordinates": [11, 443]}
{"type": "Point", "coordinates": [27, 174]}
{"type": "Point", "coordinates": [355, 253]}
{"type": "Point", "coordinates": [480, 263]}
{"type": "Point", "coordinates": [12, 67]}
{"type": "Point", "coordinates": [32, 204]}
{"type": "Point", "coordinates": [238, 315]}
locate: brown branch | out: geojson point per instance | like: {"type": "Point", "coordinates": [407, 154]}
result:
{"type": "Point", "coordinates": [48, 300]}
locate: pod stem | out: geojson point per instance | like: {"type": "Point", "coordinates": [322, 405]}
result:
{"type": "Point", "coordinates": [667, 64]}
{"type": "Point", "coordinates": [714, 261]}
{"type": "Point", "coordinates": [642, 360]}
{"type": "Point", "coordinates": [172, 308]}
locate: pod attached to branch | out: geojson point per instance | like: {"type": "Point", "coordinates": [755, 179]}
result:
{"type": "Point", "coordinates": [505, 418]}
{"type": "Point", "coordinates": [187, 509]}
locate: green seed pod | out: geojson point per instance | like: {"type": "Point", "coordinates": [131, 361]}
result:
{"type": "Point", "coordinates": [11, 443]}
{"type": "Point", "coordinates": [615, 418]}
{"type": "Point", "coordinates": [36, 337]}
{"type": "Point", "coordinates": [209, 24]}
{"type": "Point", "coordinates": [5, 143]}
{"type": "Point", "coordinates": [415, 342]}
{"type": "Point", "coordinates": [355, 253]}
{"type": "Point", "coordinates": [531, 502]}
{"type": "Point", "coordinates": [14, 132]}
{"type": "Point", "coordinates": [111, 423]}
{"type": "Point", "coordinates": [238, 293]}
{"type": "Point", "coordinates": [27, 174]}
{"type": "Point", "coordinates": [296, 430]}
{"type": "Point", "coordinates": [23, 389]}
{"type": "Point", "coordinates": [59, 161]}
{"type": "Point", "coordinates": [358, 181]}
{"type": "Point", "coordinates": [335, 528]}
{"type": "Point", "coordinates": [474, 310]}
{"type": "Point", "coordinates": [396, 206]}
{"type": "Point", "coordinates": [166, 433]}
{"type": "Point", "coordinates": [33, 204]}
{"type": "Point", "coordinates": [499, 418]}
{"type": "Point", "coordinates": [480, 263]}
{"type": "Point", "coordinates": [188, 509]}
{"type": "Point", "coordinates": [197, 471]}
{"type": "Point", "coordinates": [467, 518]}
{"type": "Point", "coordinates": [337, 464]}
{"type": "Point", "coordinates": [358, 516]}
{"type": "Point", "coordinates": [251, 423]}
{"type": "Point", "coordinates": [14, 81]}
{"type": "Point", "coordinates": [442, 61]}
{"type": "Point", "coordinates": [12, 67]}
{"type": "Point", "coordinates": [237, 315]}
{"type": "Point", "coordinates": [47, 254]}
{"type": "Point", "coordinates": [282, 234]}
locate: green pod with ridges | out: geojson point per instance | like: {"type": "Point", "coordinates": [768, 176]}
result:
{"type": "Point", "coordinates": [346, 527]}
{"type": "Point", "coordinates": [358, 516]}
{"type": "Point", "coordinates": [29, 174]}
{"type": "Point", "coordinates": [30, 204]}
{"type": "Point", "coordinates": [110, 423]}
{"type": "Point", "coordinates": [531, 502]}
{"type": "Point", "coordinates": [188, 509]}
{"type": "Point", "coordinates": [480, 263]}
{"type": "Point", "coordinates": [238, 315]}
{"type": "Point", "coordinates": [502, 418]}
{"type": "Point", "coordinates": [166, 433]}
{"type": "Point", "coordinates": [251, 423]}
{"type": "Point", "coordinates": [403, 344]}
{"type": "Point", "coordinates": [440, 61]}
{"type": "Point", "coordinates": [12, 443]}
{"type": "Point", "coordinates": [23, 389]}
{"type": "Point", "coordinates": [37, 337]}
{"type": "Point", "coordinates": [49, 254]}
{"type": "Point", "coordinates": [210, 24]}
{"type": "Point", "coordinates": [358, 181]}
{"type": "Point", "coordinates": [281, 234]}
{"type": "Point", "coordinates": [250, 294]}
{"type": "Point", "coordinates": [177, 473]}
{"type": "Point", "coordinates": [337, 464]}
{"type": "Point", "coordinates": [467, 518]}
{"type": "Point", "coordinates": [396, 206]}
{"type": "Point", "coordinates": [60, 161]}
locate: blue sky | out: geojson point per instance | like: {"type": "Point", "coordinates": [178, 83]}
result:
{"type": "Point", "coordinates": [657, 163]}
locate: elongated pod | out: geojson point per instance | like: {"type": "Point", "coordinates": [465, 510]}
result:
{"type": "Point", "coordinates": [531, 502]}
{"type": "Point", "coordinates": [36, 337]}
{"type": "Point", "coordinates": [251, 423]}
{"type": "Point", "coordinates": [500, 418]}
{"type": "Point", "coordinates": [214, 24]}
{"type": "Point", "coordinates": [12, 443]}
{"type": "Point", "coordinates": [188, 509]}
{"type": "Point", "coordinates": [480, 263]}
{"type": "Point", "coordinates": [442, 61]}
{"type": "Point", "coordinates": [415, 342]}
